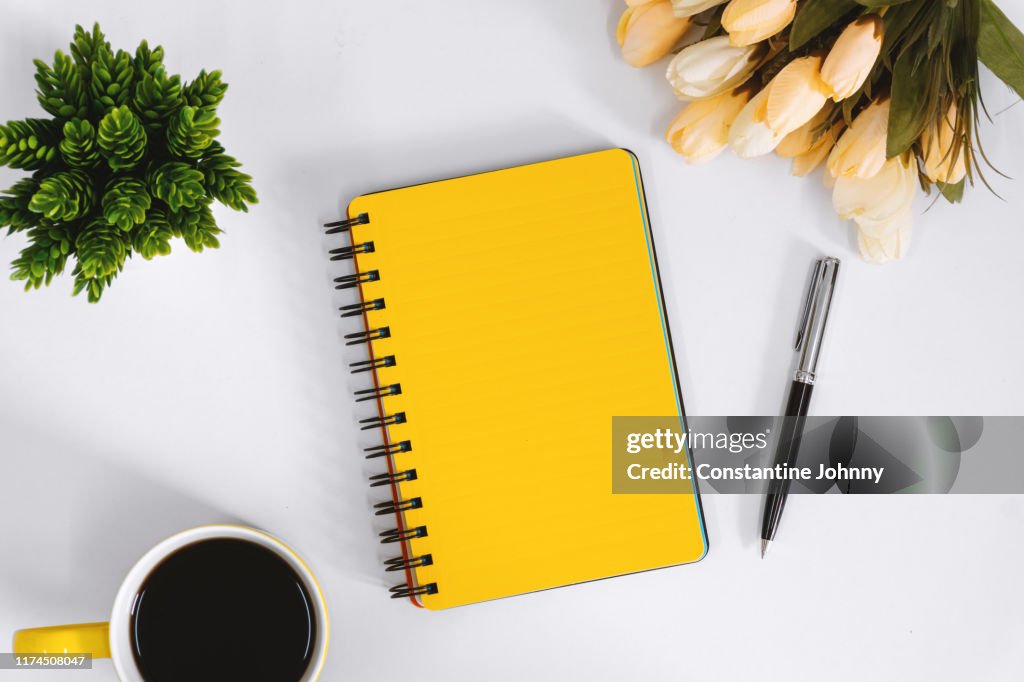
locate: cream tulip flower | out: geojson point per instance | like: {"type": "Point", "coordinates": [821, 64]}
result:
{"type": "Point", "coordinates": [687, 8]}
{"type": "Point", "coordinates": [890, 245]}
{"type": "Point", "coordinates": [878, 229]}
{"type": "Point", "coordinates": [880, 197]}
{"type": "Point", "coordinates": [860, 152]}
{"type": "Point", "coordinates": [751, 21]}
{"type": "Point", "coordinates": [796, 95]}
{"type": "Point", "coordinates": [851, 59]}
{"type": "Point", "coordinates": [711, 67]}
{"type": "Point", "coordinates": [750, 134]}
{"type": "Point", "coordinates": [944, 156]}
{"type": "Point", "coordinates": [648, 32]}
{"type": "Point", "coordinates": [701, 131]}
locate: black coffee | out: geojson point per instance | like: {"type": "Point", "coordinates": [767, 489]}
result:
{"type": "Point", "coordinates": [223, 610]}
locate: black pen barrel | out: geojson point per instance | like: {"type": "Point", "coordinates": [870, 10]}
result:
{"type": "Point", "coordinates": [786, 451]}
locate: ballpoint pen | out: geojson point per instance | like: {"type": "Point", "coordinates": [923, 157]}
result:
{"type": "Point", "coordinates": [809, 337]}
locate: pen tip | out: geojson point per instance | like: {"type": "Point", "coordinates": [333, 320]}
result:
{"type": "Point", "coordinates": [765, 544]}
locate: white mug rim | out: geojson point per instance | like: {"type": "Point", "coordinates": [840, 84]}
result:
{"type": "Point", "coordinates": [120, 616]}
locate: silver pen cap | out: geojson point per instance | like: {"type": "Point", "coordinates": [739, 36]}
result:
{"type": "Point", "coordinates": [811, 332]}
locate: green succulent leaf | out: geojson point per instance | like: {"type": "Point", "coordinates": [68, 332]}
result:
{"type": "Point", "coordinates": [93, 286]}
{"type": "Point", "coordinates": [61, 91]}
{"type": "Point", "coordinates": [112, 80]}
{"type": "Point", "coordinates": [148, 61]}
{"type": "Point", "coordinates": [84, 47]}
{"type": "Point", "coordinates": [102, 249]}
{"type": "Point", "coordinates": [63, 196]}
{"type": "Point", "coordinates": [206, 91]}
{"type": "Point", "coordinates": [30, 144]}
{"type": "Point", "coordinates": [15, 214]}
{"type": "Point", "coordinates": [153, 237]}
{"type": "Point", "coordinates": [178, 185]}
{"type": "Point", "coordinates": [122, 139]}
{"type": "Point", "coordinates": [125, 203]}
{"type": "Point", "coordinates": [157, 98]}
{"type": "Point", "coordinates": [225, 182]}
{"type": "Point", "coordinates": [191, 131]}
{"type": "Point", "coordinates": [196, 226]}
{"type": "Point", "coordinates": [127, 161]}
{"type": "Point", "coordinates": [79, 147]}
{"type": "Point", "coordinates": [45, 256]}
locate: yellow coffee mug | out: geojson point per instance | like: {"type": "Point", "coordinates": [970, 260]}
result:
{"type": "Point", "coordinates": [113, 639]}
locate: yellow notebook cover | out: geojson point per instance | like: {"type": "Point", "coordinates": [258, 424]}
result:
{"type": "Point", "coordinates": [521, 310]}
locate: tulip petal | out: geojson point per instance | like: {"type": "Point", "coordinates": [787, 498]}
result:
{"type": "Point", "coordinates": [878, 229]}
{"type": "Point", "coordinates": [649, 32]}
{"type": "Point", "coordinates": [891, 246]}
{"type": "Point", "coordinates": [711, 67]}
{"type": "Point", "coordinates": [797, 95]}
{"type": "Point", "coordinates": [751, 21]}
{"type": "Point", "coordinates": [944, 157]}
{"type": "Point", "coordinates": [882, 195]}
{"type": "Point", "coordinates": [749, 135]}
{"type": "Point", "coordinates": [853, 56]}
{"type": "Point", "coordinates": [811, 136]}
{"type": "Point", "coordinates": [688, 8]}
{"type": "Point", "coordinates": [701, 131]}
{"type": "Point", "coordinates": [861, 150]}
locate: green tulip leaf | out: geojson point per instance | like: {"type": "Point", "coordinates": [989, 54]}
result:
{"type": "Point", "coordinates": [815, 17]}
{"type": "Point", "coordinates": [909, 112]}
{"type": "Point", "coordinates": [954, 194]}
{"type": "Point", "coordinates": [1001, 46]}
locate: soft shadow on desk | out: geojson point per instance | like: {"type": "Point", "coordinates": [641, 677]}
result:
{"type": "Point", "coordinates": [75, 522]}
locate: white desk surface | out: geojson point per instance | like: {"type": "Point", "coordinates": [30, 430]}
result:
{"type": "Point", "coordinates": [213, 387]}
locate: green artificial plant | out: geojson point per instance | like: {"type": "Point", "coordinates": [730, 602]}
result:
{"type": "Point", "coordinates": [128, 162]}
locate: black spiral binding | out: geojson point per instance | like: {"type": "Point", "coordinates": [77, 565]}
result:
{"type": "Point", "coordinates": [357, 338]}
{"type": "Point", "coordinates": [353, 281]}
{"type": "Point", "coordinates": [389, 449]}
{"type": "Point", "coordinates": [395, 535]}
{"type": "Point", "coordinates": [405, 591]}
{"type": "Point", "coordinates": [401, 564]}
{"type": "Point", "coordinates": [389, 478]}
{"type": "Point", "coordinates": [401, 534]}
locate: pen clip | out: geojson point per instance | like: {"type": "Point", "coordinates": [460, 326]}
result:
{"type": "Point", "coordinates": [812, 293]}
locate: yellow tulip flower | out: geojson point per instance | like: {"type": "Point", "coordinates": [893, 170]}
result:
{"type": "Point", "coordinates": [944, 156]}
{"type": "Point", "coordinates": [751, 21]}
{"type": "Point", "coordinates": [648, 32]}
{"type": "Point", "coordinates": [854, 54]}
{"type": "Point", "coordinates": [701, 131]}
{"type": "Point", "coordinates": [860, 152]}
{"type": "Point", "coordinates": [797, 94]}
{"type": "Point", "coordinates": [809, 144]}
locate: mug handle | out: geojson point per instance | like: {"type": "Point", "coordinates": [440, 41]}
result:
{"type": "Point", "coordinates": [83, 638]}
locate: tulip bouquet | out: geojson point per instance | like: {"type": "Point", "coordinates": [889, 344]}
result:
{"type": "Point", "coordinates": [884, 93]}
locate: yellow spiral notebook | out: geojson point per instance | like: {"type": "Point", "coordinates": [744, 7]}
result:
{"type": "Point", "coordinates": [509, 316]}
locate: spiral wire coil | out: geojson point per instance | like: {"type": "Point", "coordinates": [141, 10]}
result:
{"type": "Point", "coordinates": [396, 507]}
